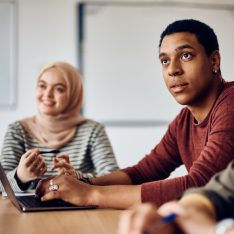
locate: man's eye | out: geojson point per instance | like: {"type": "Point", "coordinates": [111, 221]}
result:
{"type": "Point", "coordinates": [164, 61]}
{"type": "Point", "coordinates": [186, 56]}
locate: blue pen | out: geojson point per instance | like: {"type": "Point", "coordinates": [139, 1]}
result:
{"type": "Point", "coordinates": [169, 218]}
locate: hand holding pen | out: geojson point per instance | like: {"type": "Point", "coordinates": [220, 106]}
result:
{"type": "Point", "coordinates": [145, 219]}
{"type": "Point", "coordinates": [165, 225]}
{"type": "Point", "coordinates": [31, 166]}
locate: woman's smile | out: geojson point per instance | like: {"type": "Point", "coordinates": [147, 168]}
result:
{"type": "Point", "coordinates": [48, 102]}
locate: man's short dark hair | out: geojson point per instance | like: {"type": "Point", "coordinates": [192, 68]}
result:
{"type": "Point", "coordinates": [204, 33]}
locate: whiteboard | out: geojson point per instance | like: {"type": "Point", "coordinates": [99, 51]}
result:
{"type": "Point", "coordinates": [7, 54]}
{"type": "Point", "coordinates": [122, 73]}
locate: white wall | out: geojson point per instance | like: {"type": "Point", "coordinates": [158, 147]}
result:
{"type": "Point", "coordinates": [121, 54]}
{"type": "Point", "coordinates": [46, 33]}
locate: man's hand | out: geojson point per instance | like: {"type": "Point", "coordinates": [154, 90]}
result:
{"type": "Point", "coordinates": [69, 189]}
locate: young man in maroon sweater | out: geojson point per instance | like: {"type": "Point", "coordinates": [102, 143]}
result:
{"type": "Point", "coordinates": [201, 136]}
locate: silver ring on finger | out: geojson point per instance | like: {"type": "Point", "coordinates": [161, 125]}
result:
{"type": "Point", "coordinates": [53, 187]}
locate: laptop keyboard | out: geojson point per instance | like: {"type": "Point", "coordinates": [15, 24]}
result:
{"type": "Point", "coordinates": [31, 201]}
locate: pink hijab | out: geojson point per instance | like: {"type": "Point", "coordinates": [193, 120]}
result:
{"type": "Point", "coordinates": [55, 131]}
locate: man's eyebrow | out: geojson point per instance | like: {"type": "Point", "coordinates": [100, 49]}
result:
{"type": "Point", "coordinates": [186, 46]}
{"type": "Point", "coordinates": [161, 55]}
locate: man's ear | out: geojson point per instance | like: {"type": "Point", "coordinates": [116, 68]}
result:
{"type": "Point", "coordinates": [215, 61]}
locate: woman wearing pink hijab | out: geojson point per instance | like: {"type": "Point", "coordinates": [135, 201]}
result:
{"type": "Point", "coordinates": [58, 138]}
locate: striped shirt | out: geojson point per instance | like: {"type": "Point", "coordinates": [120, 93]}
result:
{"type": "Point", "coordinates": [89, 151]}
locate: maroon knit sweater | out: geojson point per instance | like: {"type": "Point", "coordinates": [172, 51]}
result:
{"type": "Point", "coordinates": [205, 149]}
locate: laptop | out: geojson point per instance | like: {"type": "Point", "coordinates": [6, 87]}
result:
{"type": "Point", "coordinates": [30, 203]}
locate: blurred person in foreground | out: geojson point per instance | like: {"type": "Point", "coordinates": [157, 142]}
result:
{"type": "Point", "coordinates": [205, 210]}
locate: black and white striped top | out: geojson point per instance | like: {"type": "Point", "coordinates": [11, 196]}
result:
{"type": "Point", "coordinates": [89, 151]}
